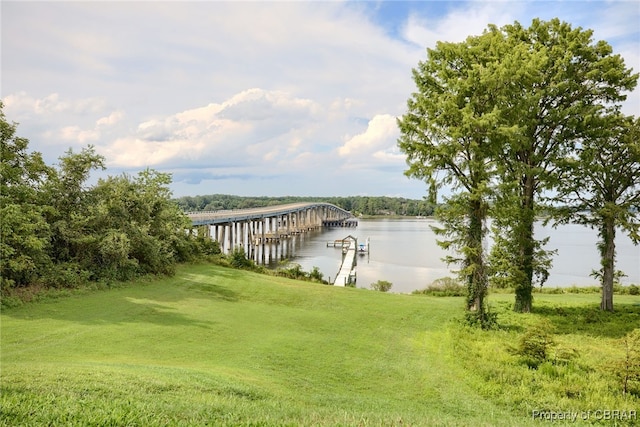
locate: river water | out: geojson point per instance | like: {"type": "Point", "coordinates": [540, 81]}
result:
{"type": "Point", "coordinates": [405, 253]}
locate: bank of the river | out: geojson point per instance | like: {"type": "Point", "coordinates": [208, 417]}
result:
{"type": "Point", "coordinates": [379, 217]}
{"type": "Point", "coordinates": [218, 346]}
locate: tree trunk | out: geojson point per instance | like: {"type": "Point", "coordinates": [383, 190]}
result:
{"type": "Point", "coordinates": [477, 278]}
{"type": "Point", "coordinates": [526, 244]}
{"type": "Point", "coordinates": [607, 259]}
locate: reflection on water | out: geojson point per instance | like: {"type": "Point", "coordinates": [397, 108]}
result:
{"type": "Point", "coordinates": [404, 252]}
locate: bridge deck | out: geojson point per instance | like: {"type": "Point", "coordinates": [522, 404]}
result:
{"type": "Point", "coordinates": [226, 216]}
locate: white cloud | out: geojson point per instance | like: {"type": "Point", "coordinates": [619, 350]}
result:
{"type": "Point", "coordinates": [234, 92]}
{"type": "Point", "coordinates": [137, 153]}
{"type": "Point", "coordinates": [76, 135]}
{"type": "Point", "coordinates": [21, 104]}
{"type": "Point", "coordinates": [111, 119]}
{"type": "Point", "coordinates": [461, 22]}
{"type": "Point", "coordinates": [250, 127]}
{"type": "Point", "coordinates": [382, 131]}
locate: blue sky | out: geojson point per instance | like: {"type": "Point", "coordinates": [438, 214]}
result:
{"type": "Point", "coordinates": [250, 98]}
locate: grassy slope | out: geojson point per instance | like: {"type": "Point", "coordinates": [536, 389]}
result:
{"type": "Point", "coordinates": [230, 347]}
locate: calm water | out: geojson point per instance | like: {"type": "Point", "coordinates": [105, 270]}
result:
{"type": "Point", "coordinates": [404, 252]}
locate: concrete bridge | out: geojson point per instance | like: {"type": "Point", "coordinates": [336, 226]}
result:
{"type": "Point", "coordinates": [251, 227]}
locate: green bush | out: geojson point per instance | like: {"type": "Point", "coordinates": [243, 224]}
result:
{"type": "Point", "coordinates": [238, 259]}
{"type": "Point", "coordinates": [627, 369]}
{"type": "Point", "coordinates": [293, 272]}
{"type": "Point", "coordinates": [484, 320]}
{"type": "Point", "coordinates": [381, 286]}
{"type": "Point", "coordinates": [66, 275]}
{"type": "Point", "coordinates": [316, 275]}
{"type": "Point", "coordinates": [444, 287]}
{"type": "Point", "coordinates": [534, 344]}
{"type": "Point", "coordinates": [207, 246]}
{"type": "Point", "coordinates": [563, 355]}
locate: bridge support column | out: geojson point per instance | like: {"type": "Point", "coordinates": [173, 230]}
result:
{"type": "Point", "coordinates": [222, 239]}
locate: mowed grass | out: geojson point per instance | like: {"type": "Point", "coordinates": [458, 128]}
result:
{"type": "Point", "coordinates": [217, 346]}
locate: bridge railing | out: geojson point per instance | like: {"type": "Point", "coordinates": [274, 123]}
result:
{"type": "Point", "coordinates": [233, 215]}
{"type": "Point", "coordinates": [210, 212]}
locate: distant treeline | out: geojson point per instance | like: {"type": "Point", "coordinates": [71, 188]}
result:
{"type": "Point", "coordinates": [358, 205]}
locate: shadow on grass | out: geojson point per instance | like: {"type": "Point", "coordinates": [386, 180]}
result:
{"type": "Point", "coordinates": [590, 320]}
{"type": "Point", "coordinates": [165, 304]}
{"type": "Point", "coordinates": [113, 311]}
{"type": "Point", "coordinates": [585, 318]}
{"type": "Point", "coordinates": [207, 285]}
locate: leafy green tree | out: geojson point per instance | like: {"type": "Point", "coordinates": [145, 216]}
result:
{"type": "Point", "coordinates": [24, 233]}
{"type": "Point", "coordinates": [447, 135]}
{"type": "Point", "coordinates": [67, 198]}
{"type": "Point", "coordinates": [505, 269]}
{"type": "Point", "coordinates": [58, 230]}
{"type": "Point", "coordinates": [136, 228]}
{"type": "Point", "coordinates": [495, 116]}
{"type": "Point", "coordinates": [553, 78]}
{"type": "Point", "coordinates": [601, 189]}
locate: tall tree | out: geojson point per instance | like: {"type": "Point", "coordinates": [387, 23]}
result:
{"type": "Point", "coordinates": [601, 188]}
{"type": "Point", "coordinates": [68, 197]}
{"type": "Point", "coordinates": [499, 112]}
{"type": "Point", "coordinates": [554, 78]}
{"type": "Point", "coordinates": [24, 233]}
{"type": "Point", "coordinates": [447, 135]}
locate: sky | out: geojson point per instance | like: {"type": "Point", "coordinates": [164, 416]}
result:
{"type": "Point", "coordinates": [290, 98]}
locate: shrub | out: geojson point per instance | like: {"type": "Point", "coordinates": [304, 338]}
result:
{"type": "Point", "coordinates": [444, 287]}
{"type": "Point", "coordinates": [293, 272]}
{"type": "Point", "coordinates": [208, 246]}
{"type": "Point", "coordinates": [316, 275]}
{"type": "Point", "coordinates": [482, 319]}
{"type": "Point", "coordinates": [238, 259]}
{"type": "Point", "coordinates": [628, 369]}
{"type": "Point", "coordinates": [564, 355]}
{"type": "Point", "coordinates": [66, 275]}
{"type": "Point", "coordinates": [381, 285]}
{"type": "Point", "coordinates": [534, 344]}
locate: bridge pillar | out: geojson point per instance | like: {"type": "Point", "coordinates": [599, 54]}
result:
{"type": "Point", "coordinates": [223, 229]}
{"type": "Point", "coordinates": [288, 217]}
{"type": "Point", "coordinates": [276, 228]}
{"type": "Point", "coordinates": [263, 223]}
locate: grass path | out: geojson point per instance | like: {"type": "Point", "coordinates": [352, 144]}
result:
{"type": "Point", "coordinates": [219, 346]}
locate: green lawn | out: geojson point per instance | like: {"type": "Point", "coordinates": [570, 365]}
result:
{"type": "Point", "coordinates": [217, 346]}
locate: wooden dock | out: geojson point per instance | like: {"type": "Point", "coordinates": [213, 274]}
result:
{"type": "Point", "coordinates": [347, 274]}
